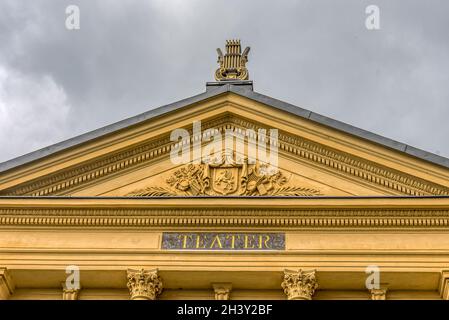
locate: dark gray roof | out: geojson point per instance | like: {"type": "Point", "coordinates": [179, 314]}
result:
{"type": "Point", "coordinates": [243, 88]}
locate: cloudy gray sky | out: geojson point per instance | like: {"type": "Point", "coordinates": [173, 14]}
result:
{"type": "Point", "coordinates": [132, 56]}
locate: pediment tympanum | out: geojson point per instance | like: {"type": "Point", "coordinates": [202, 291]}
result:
{"type": "Point", "coordinates": [226, 179]}
{"type": "Point", "coordinates": [314, 160]}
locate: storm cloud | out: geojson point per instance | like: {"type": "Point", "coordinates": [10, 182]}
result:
{"type": "Point", "coordinates": [132, 56]}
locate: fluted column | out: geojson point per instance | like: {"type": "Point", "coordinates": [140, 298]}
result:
{"type": "Point", "coordinates": [222, 291]}
{"type": "Point", "coordinates": [378, 294]}
{"type": "Point", "coordinates": [6, 284]}
{"type": "Point", "coordinates": [144, 284]}
{"type": "Point", "coordinates": [299, 285]}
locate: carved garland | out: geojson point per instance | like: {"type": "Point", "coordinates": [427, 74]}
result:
{"type": "Point", "coordinates": [362, 169]}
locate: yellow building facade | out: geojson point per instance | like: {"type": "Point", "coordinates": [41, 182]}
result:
{"type": "Point", "coordinates": [111, 207]}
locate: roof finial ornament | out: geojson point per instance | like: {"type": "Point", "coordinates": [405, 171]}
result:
{"type": "Point", "coordinates": [232, 63]}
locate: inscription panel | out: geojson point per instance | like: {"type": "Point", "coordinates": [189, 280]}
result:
{"type": "Point", "coordinates": [222, 241]}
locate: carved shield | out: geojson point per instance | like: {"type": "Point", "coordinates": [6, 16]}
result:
{"type": "Point", "coordinates": [225, 180]}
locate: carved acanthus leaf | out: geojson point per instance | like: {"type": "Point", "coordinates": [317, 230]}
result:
{"type": "Point", "coordinates": [144, 284]}
{"type": "Point", "coordinates": [296, 191]}
{"type": "Point", "coordinates": [152, 192]}
{"type": "Point", "coordinates": [222, 291]}
{"type": "Point", "coordinates": [299, 285]}
{"type": "Point", "coordinates": [378, 294]}
{"type": "Point", "coordinates": [232, 63]}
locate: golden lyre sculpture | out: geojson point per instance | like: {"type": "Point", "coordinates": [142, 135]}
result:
{"type": "Point", "coordinates": [232, 63]}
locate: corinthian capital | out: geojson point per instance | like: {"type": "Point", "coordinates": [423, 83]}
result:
{"type": "Point", "coordinates": [378, 294]}
{"type": "Point", "coordinates": [70, 294]}
{"type": "Point", "coordinates": [144, 284]}
{"type": "Point", "coordinates": [222, 291]}
{"type": "Point", "coordinates": [299, 285]}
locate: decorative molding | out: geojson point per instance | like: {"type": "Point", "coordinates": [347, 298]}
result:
{"type": "Point", "coordinates": [73, 177]}
{"type": "Point", "coordinates": [229, 176]}
{"type": "Point", "coordinates": [222, 291]}
{"type": "Point", "coordinates": [114, 163]}
{"type": "Point", "coordinates": [378, 294]}
{"type": "Point", "coordinates": [349, 219]}
{"type": "Point", "coordinates": [299, 285]}
{"type": "Point", "coordinates": [144, 284]}
{"type": "Point", "coordinates": [309, 151]}
{"type": "Point", "coordinates": [6, 284]}
{"type": "Point", "coordinates": [348, 164]}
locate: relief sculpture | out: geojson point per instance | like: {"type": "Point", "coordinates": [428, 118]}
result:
{"type": "Point", "coordinates": [227, 178]}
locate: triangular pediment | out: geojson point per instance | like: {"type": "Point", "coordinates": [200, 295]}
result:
{"type": "Point", "coordinates": [315, 159]}
{"type": "Point", "coordinates": [195, 179]}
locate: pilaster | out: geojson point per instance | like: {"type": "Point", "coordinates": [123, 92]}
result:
{"type": "Point", "coordinates": [444, 285]}
{"type": "Point", "coordinates": [6, 284]}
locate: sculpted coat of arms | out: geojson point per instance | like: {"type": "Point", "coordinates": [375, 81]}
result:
{"type": "Point", "coordinates": [225, 178]}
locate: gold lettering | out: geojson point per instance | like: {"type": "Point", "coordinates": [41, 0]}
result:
{"type": "Point", "coordinates": [224, 241]}
{"type": "Point", "coordinates": [184, 239]}
{"type": "Point", "coordinates": [267, 238]}
{"type": "Point", "coordinates": [198, 245]}
{"type": "Point", "coordinates": [233, 237]}
{"type": "Point", "coordinates": [247, 242]}
{"type": "Point", "coordinates": [262, 244]}
{"type": "Point", "coordinates": [216, 239]}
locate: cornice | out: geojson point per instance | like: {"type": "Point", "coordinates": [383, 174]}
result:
{"type": "Point", "coordinates": [305, 150]}
{"type": "Point", "coordinates": [404, 214]}
{"type": "Point", "coordinates": [71, 178]}
{"type": "Point", "coordinates": [289, 219]}
{"type": "Point", "coordinates": [351, 165]}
